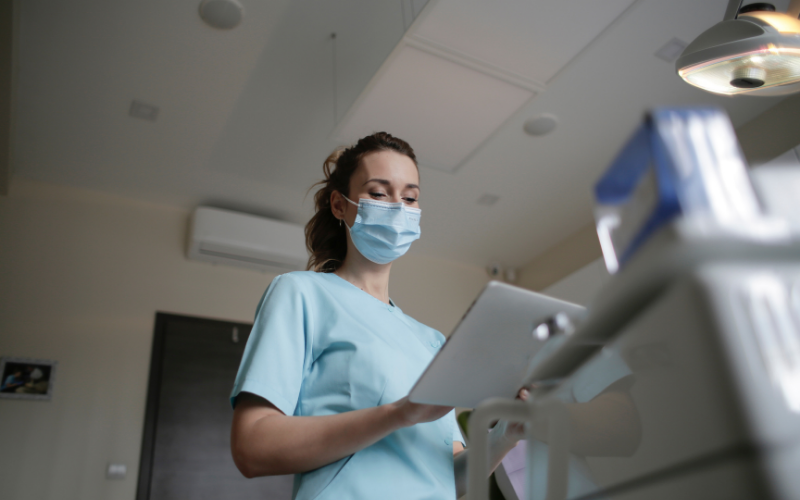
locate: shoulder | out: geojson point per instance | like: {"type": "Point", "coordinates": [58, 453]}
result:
{"type": "Point", "coordinates": [303, 285]}
{"type": "Point", "coordinates": [290, 295]}
{"type": "Point", "coordinates": [297, 280]}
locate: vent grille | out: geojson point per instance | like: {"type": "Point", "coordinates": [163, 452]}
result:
{"type": "Point", "coordinates": [248, 260]}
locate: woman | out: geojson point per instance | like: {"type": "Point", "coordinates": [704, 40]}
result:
{"type": "Point", "coordinates": [321, 388]}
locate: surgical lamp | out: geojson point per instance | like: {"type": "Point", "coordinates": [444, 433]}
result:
{"type": "Point", "coordinates": [753, 51]}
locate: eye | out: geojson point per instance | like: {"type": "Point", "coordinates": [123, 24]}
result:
{"type": "Point", "coordinates": [377, 195]}
{"type": "Point", "coordinates": [410, 200]}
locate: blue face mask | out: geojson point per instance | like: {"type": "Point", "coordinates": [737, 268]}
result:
{"type": "Point", "coordinates": [384, 231]}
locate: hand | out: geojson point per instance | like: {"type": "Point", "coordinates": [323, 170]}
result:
{"type": "Point", "coordinates": [414, 413]}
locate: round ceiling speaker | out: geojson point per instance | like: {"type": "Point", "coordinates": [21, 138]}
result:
{"type": "Point", "coordinates": [541, 125]}
{"type": "Point", "coordinates": [221, 14]}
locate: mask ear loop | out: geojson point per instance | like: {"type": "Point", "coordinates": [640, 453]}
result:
{"type": "Point", "coordinates": [351, 202]}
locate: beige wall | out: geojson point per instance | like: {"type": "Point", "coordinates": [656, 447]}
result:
{"type": "Point", "coordinates": [582, 286]}
{"type": "Point", "coordinates": [561, 260]}
{"type": "Point", "coordinates": [771, 133]}
{"type": "Point", "coordinates": [7, 37]}
{"type": "Point", "coordinates": [82, 275]}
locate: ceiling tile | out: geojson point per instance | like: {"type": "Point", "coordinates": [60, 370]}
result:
{"type": "Point", "coordinates": [533, 40]}
{"type": "Point", "coordinates": [446, 110]}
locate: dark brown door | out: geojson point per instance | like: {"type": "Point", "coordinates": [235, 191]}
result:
{"type": "Point", "coordinates": [186, 444]}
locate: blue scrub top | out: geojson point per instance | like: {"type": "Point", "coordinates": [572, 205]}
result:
{"type": "Point", "coordinates": [321, 346]}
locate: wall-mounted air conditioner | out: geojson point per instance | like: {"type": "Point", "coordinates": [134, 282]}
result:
{"type": "Point", "coordinates": [232, 238]}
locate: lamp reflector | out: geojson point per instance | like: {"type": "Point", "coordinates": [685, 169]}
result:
{"type": "Point", "coordinates": [761, 68]}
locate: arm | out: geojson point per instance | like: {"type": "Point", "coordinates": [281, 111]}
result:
{"type": "Point", "coordinates": [266, 442]}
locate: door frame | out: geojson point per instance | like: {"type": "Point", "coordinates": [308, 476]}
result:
{"type": "Point", "coordinates": [154, 393]}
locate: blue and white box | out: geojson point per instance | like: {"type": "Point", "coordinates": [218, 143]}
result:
{"type": "Point", "coordinates": [680, 162]}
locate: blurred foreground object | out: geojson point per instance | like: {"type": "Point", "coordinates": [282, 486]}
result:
{"type": "Point", "coordinates": [684, 165]}
{"type": "Point", "coordinates": [684, 379]}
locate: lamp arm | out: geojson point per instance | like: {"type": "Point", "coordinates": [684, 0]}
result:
{"type": "Point", "coordinates": [732, 10]}
{"type": "Point", "coordinates": [794, 9]}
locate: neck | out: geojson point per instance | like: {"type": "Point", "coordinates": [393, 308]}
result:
{"type": "Point", "coordinates": [366, 275]}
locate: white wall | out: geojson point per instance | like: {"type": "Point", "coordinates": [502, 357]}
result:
{"type": "Point", "coordinates": [581, 286]}
{"type": "Point", "coordinates": [82, 275]}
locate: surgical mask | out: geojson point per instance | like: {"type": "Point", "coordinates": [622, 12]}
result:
{"type": "Point", "coordinates": [384, 231]}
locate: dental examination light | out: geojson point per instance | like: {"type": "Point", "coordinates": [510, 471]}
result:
{"type": "Point", "coordinates": [754, 50]}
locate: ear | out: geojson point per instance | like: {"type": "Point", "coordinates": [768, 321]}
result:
{"type": "Point", "coordinates": [338, 205]}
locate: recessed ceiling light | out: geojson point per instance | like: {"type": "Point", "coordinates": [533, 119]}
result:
{"type": "Point", "coordinates": [541, 125]}
{"type": "Point", "coordinates": [221, 14]}
{"type": "Point", "coordinates": [488, 200]}
{"type": "Point", "coordinates": [671, 50]}
{"type": "Point", "coordinates": [144, 111]}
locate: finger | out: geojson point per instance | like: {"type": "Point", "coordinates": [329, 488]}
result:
{"type": "Point", "coordinates": [523, 394]}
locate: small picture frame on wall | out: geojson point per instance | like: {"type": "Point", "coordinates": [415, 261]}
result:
{"type": "Point", "coordinates": [24, 378]}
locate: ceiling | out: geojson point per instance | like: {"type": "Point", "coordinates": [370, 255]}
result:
{"type": "Point", "coordinates": [247, 116]}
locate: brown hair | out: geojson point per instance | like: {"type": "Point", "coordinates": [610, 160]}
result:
{"type": "Point", "coordinates": [325, 235]}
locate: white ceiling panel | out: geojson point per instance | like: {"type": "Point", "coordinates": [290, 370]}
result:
{"type": "Point", "coordinates": [446, 110]}
{"type": "Point", "coordinates": [533, 40]}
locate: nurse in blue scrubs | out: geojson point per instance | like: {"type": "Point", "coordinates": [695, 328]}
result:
{"type": "Point", "coordinates": [321, 388]}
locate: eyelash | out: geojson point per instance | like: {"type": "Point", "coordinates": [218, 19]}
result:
{"type": "Point", "coordinates": [378, 195]}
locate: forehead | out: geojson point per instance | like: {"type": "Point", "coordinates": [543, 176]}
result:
{"type": "Point", "coordinates": [392, 166]}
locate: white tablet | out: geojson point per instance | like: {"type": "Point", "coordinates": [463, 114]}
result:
{"type": "Point", "coordinates": [487, 354]}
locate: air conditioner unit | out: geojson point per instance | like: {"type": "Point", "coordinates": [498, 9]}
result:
{"type": "Point", "coordinates": [232, 238]}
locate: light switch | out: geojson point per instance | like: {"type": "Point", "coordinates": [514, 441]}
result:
{"type": "Point", "coordinates": [116, 471]}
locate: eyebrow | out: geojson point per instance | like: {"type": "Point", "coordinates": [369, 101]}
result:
{"type": "Point", "coordinates": [387, 183]}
